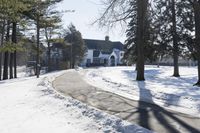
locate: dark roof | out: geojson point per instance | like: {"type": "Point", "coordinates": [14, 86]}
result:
{"type": "Point", "coordinates": [103, 52]}
{"type": "Point", "coordinates": [102, 45]}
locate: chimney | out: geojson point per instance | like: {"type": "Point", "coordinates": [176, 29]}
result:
{"type": "Point", "coordinates": [107, 38]}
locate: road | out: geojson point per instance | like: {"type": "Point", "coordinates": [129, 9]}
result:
{"type": "Point", "coordinates": [147, 115]}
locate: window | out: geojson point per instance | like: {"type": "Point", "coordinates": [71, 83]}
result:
{"type": "Point", "coordinates": [96, 61]}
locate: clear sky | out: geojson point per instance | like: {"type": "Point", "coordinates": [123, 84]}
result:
{"type": "Point", "coordinates": [86, 11]}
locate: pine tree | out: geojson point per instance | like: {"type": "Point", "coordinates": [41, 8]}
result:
{"type": "Point", "coordinates": [196, 7]}
{"type": "Point", "coordinates": [170, 29]}
{"type": "Point", "coordinates": [10, 11]}
{"type": "Point", "coordinates": [13, 11]}
{"type": "Point", "coordinates": [36, 11]}
{"type": "Point", "coordinates": [187, 13]}
{"type": "Point", "coordinates": [130, 44]}
{"type": "Point", "coordinates": [76, 44]}
{"type": "Point", "coordinates": [130, 55]}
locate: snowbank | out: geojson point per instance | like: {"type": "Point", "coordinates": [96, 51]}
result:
{"type": "Point", "coordinates": [32, 105]}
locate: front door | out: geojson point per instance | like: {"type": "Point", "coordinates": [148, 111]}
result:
{"type": "Point", "coordinates": [112, 60]}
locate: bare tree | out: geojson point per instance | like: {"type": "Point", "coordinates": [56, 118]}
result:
{"type": "Point", "coordinates": [114, 12]}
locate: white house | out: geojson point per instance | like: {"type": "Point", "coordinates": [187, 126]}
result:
{"type": "Point", "coordinates": [103, 53]}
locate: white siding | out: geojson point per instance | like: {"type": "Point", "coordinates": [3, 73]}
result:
{"type": "Point", "coordinates": [88, 55]}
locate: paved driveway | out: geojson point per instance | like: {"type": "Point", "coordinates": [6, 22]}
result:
{"type": "Point", "coordinates": [147, 115]}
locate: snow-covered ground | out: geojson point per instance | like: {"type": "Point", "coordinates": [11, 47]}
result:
{"type": "Point", "coordinates": [160, 87]}
{"type": "Point", "coordinates": [21, 71]}
{"type": "Point", "coordinates": [30, 105]}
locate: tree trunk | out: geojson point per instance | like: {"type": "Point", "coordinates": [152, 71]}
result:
{"type": "Point", "coordinates": [49, 57]}
{"type": "Point", "coordinates": [15, 52]}
{"type": "Point", "coordinates": [38, 49]}
{"type": "Point", "coordinates": [141, 12]}
{"type": "Point", "coordinates": [197, 35]}
{"type": "Point", "coordinates": [71, 56]}
{"type": "Point", "coordinates": [15, 64]}
{"type": "Point", "coordinates": [11, 65]}
{"type": "Point", "coordinates": [175, 43]}
{"type": "Point", "coordinates": [1, 57]}
{"type": "Point", "coordinates": [0, 65]}
{"type": "Point", "coordinates": [14, 41]}
{"type": "Point", "coordinates": [1, 54]}
{"type": "Point", "coordinates": [6, 56]}
{"type": "Point", "coordinates": [73, 63]}
{"type": "Point", "coordinates": [5, 67]}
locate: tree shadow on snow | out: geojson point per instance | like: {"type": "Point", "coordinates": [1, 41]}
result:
{"type": "Point", "coordinates": [155, 76]}
{"type": "Point", "coordinates": [150, 109]}
{"type": "Point", "coordinates": [184, 84]}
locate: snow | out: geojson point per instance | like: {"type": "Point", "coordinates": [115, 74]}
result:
{"type": "Point", "coordinates": [31, 105]}
{"type": "Point", "coordinates": [160, 87]}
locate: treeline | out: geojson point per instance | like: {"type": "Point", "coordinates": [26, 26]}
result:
{"type": "Point", "coordinates": [18, 18]}
{"type": "Point", "coordinates": [157, 28]}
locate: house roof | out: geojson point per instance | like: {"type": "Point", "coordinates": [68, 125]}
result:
{"type": "Point", "coordinates": [102, 45]}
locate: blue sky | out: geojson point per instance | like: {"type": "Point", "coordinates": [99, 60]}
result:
{"type": "Point", "coordinates": [86, 11]}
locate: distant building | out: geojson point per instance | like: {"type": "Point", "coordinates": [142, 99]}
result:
{"type": "Point", "coordinates": [168, 60]}
{"type": "Point", "coordinates": [103, 53]}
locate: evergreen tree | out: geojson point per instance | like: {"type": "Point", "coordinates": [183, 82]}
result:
{"type": "Point", "coordinates": [196, 7]}
{"type": "Point", "coordinates": [10, 11]}
{"type": "Point", "coordinates": [76, 44]}
{"type": "Point", "coordinates": [36, 11]}
{"type": "Point", "coordinates": [187, 22]}
{"type": "Point", "coordinates": [130, 55]}
{"type": "Point", "coordinates": [130, 44]}
{"type": "Point", "coordinates": [170, 29]}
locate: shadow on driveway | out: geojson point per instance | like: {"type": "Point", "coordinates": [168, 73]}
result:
{"type": "Point", "coordinates": [147, 115]}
